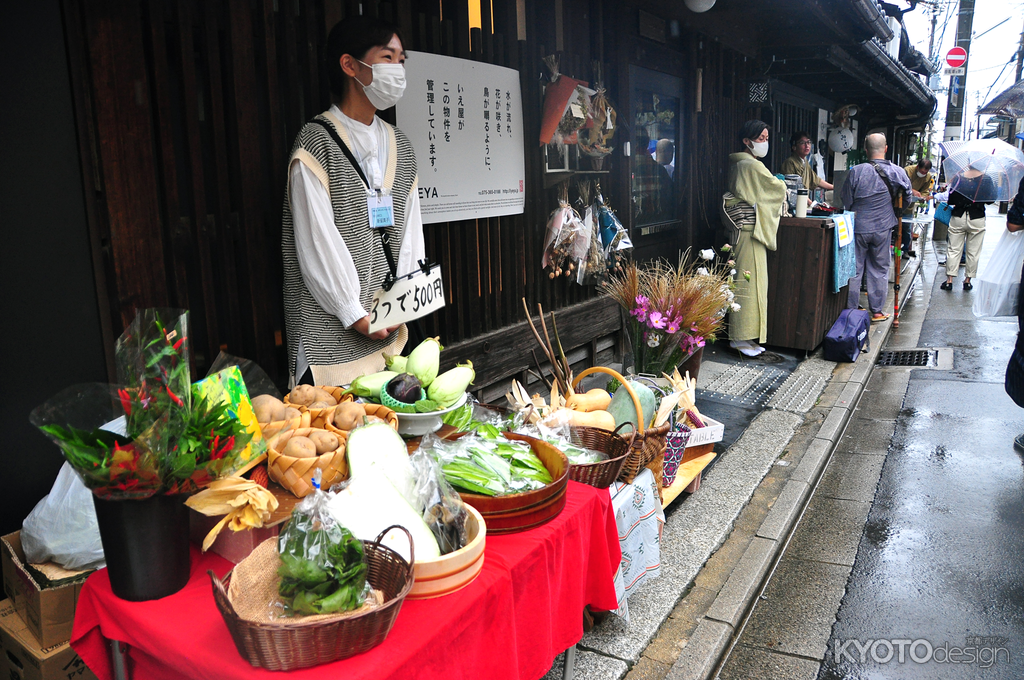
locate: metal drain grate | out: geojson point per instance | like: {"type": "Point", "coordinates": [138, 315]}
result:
{"type": "Point", "coordinates": [932, 357]}
{"type": "Point", "coordinates": [742, 388]}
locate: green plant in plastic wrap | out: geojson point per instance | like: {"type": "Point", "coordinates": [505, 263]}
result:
{"type": "Point", "coordinates": [156, 432]}
{"type": "Point", "coordinates": [323, 566]}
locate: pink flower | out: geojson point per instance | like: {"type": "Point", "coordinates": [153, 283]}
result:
{"type": "Point", "coordinates": [656, 320]}
{"type": "Point", "coordinates": [672, 328]}
{"type": "Point", "coordinates": [642, 301]}
{"type": "Point", "coordinates": [640, 313]}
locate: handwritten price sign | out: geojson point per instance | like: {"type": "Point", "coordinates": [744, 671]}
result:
{"type": "Point", "coordinates": [411, 297]}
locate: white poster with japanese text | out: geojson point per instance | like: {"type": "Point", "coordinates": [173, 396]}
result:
{"type": "Point", "coordinates": [465, 121]}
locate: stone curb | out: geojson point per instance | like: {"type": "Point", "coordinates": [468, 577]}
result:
{"type": "Point", "coordinates": [712, 639]}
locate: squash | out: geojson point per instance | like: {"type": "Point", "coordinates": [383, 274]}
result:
{"type": "Point", "coordinates": [622, 409]}
{"type": "Point", "coordinates": [599, 419]}
{"type": "Point", "coordinates": [594, 400]}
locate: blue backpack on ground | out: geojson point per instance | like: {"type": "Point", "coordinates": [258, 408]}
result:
{"type": "Point", "coordinates": [848, 334]}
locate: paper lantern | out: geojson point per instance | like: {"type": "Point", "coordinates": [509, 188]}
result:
{"type": "Point", "coordinates": [699, 5]}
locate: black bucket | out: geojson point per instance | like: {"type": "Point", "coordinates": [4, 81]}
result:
{"type": "Point", "coordinates": [146, 545]}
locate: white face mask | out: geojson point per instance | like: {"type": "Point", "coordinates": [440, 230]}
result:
{"type": "Point", "coordinates": [759, 149]}
{"type": "Point", "coordinates": [387, 85]}
{"type": "Point", "coordinates": [922, 174]}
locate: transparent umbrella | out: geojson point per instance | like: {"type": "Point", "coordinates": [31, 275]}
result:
{"type": "Point", "coordinates": [983, 170]}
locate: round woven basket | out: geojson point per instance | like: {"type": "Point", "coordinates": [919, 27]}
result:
{"type": "Point", "coordinates": [378, 410]}
{"type": "Point", "coordinates": [276, 426]}
{"type": "Point", "coordinates": [296, 474]}
{"type": "Point", "coordinates": [602, 473]}
{"type": "Point", "coordinates": [288, 644]}
{"type": "Point", "coordinates": [648, 445]}
{"type": "Point", "coordinates": [317, 416]}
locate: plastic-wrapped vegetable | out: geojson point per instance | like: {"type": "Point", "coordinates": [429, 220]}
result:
{"type": "Point", "coordinates": [490, 467]}
{"type": "Point", "coordinates": [443, 510]}
{"type": "Point", "coordinates": [323, 566]}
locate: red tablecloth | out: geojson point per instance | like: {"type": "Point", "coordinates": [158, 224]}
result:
{"type": "Point", "coordinates": [523, 610]}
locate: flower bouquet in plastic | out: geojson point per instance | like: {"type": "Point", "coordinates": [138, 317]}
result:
{"type": "Point", "coordinates": [150, 434]}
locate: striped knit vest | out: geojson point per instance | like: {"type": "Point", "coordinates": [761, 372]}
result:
{"type": "Point", "coordinates": [325, 341]}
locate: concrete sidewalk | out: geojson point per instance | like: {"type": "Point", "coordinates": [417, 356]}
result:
{"type": "Point", "coordinates": [719, 542]}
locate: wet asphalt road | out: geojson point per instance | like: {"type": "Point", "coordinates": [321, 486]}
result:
{"type": "Point", "coordinates": [941, 563]}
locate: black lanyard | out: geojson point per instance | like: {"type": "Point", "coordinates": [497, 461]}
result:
{"type": "Point", "coordinates": [385, 238]}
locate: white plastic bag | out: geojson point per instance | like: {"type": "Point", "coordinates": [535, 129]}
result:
{"type": "Point", "coordinates": [62, 527]}
{"type": "Point", "coordinates": [997, 286]}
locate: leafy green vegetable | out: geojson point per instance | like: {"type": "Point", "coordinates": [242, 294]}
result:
{"type": "Point", "coordinates": [427, 406]}
{"type": "Point", "coordinates": [323, 568]}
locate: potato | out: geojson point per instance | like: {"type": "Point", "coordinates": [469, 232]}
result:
{"type": "Point", "coordinates": [325, 396]}
{"type": "Point", "coordinates": [302, 395]}
{"type": "Point", "coordinates": [348, 415]}
{"type": "Point", "coordinates": [290, 412]}
{"type": "Point", "coordinates": [267, 408]}
{"type": "Point", "coordinates": [324, 441]}
{"type": "Point", "coordinates": [300, 447]}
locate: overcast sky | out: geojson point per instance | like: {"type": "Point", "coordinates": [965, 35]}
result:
{"type": "Point", "coordinates": [988, 53]}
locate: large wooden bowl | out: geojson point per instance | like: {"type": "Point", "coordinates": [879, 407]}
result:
{"type": "Point", "coordinates": [522, 511]}
{"type": "Point", "coordinates": [446, 574]}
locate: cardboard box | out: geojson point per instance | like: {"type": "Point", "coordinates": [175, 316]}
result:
{"type": "Point", "coordinates": [25, 659]}
{"type": "Point", "coordinates": [50, 613]}
{"type": "Point", "coordinates": [712, 432]}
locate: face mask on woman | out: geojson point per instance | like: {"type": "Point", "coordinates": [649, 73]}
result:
{"type": "Point", "coordinates": [759, 149]}
{"type": "Point", "coordinates": [387, 86]}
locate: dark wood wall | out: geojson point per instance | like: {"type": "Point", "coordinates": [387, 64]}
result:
{"type": "Point", "coordinates": [186, 112]}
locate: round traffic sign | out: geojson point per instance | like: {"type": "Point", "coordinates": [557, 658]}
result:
{"type": "Point", "coordinates": [956, 57]}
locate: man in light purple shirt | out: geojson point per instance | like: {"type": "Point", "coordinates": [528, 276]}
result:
{"type": "Point", "coordinates": [866, 194]}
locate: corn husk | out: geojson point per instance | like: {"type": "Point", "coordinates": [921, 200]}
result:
{"type": "Point", "coordinates": [244, 504]}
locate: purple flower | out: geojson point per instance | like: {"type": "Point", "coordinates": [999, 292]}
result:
{"type": "Point", "coordinates": [656, 320]}
{"type": "Point", "coordinates": [640, 313]}
{"type": "Point", "coordinates": [672, 328]}
{"type": "Point", "coordinates": [642, 301]}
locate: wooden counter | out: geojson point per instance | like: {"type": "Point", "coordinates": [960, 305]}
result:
{"type": "Point", "coordinates": [801, 304]}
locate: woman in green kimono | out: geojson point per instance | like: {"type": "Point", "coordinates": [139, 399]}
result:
{"type": "Point", "coordinates": [752, 184]}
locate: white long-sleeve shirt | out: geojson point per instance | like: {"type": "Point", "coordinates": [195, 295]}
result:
{"type": "Point", "coordinates": [328, 268]}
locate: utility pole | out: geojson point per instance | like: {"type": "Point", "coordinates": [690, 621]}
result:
{"type": "Point", "coordinates": [1020, 57]}
{"type": "Point", "coordinates": [958, 84]}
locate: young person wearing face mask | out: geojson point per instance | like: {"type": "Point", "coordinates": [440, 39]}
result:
{"type": "Point", "coordinates": [345, 163]}
{"type": "Point", "coordinates": [757, 190]}
{"type": "Point", "coordinates": [921, 184]}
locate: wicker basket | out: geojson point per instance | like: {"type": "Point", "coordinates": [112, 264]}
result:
{"type": "Point", "coordinates": [317, 416]}
{"type": "Point", "coordinates": [275, 427]}
{"type": "Point", "coordinates": [296, 474]}
{"type": "Point", "coordinates": [382, 412]}
{"type": "Point", "coordinates": [603, 473]}
{"type": "Point", "coordinates": [648, 442]}
{"type": "Point", "coordinates": [287, 645]}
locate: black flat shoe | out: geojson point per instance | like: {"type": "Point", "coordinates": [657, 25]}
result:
{"type": "Point", "coordinates": [968, 285]}
{"type": "Point", "coordinates": [946, 285]}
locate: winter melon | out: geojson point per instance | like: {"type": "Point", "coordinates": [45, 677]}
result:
{"type": "Point", "coordinates": [622, 408]}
